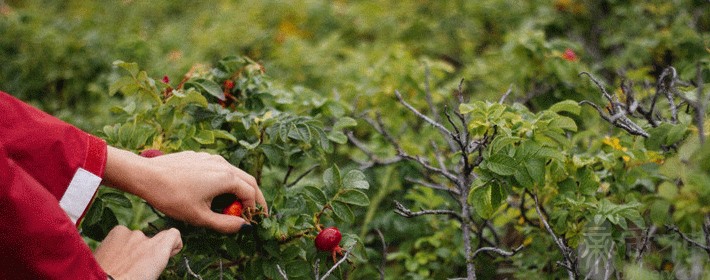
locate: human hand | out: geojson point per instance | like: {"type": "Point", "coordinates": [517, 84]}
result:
{"type": "Point", "coordinates": [183, 185]}
{"type": "Point", "coordinates": [126, 254]}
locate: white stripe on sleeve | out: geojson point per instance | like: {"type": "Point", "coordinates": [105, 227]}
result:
{"type": "Point", "coordinates": [79, 193]}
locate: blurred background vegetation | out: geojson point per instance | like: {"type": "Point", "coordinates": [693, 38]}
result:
{"type": "Point", "coordinates": [58, 56]}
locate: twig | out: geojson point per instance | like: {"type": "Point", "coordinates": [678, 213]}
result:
{"type": "Point", "coordinates": [433, 186]}
{"type": "Point", "coordinates": [434, 123]}
{"type": "Point", "coordinates": [189, 270]}
{"type": "Point", "coordinates": [345, 257]}
{"type": "Point", "coordinates": [221, 272]}
{"type": "Point", "coordinates": [405, 212]}
{"type": "Point", "coordinates": [567, 253]}
{"type": "Point", "coordinates": [505, 96]}
{"type": "Point", "coordinates": [688, 239]}
{"type": "Point", "coordinates": [302, 176]}
{"type": "Point", "coordinates": [617, 115]}
{"type": "Point", "coordinates": [384, 254]}
{"type": "Point", "coordinates": [316, 267]}
{"type": "Point", "coordinates": [650, 231]}
{"type": "Point", "coordinates": [498, 251]}
{"type": "Point", "coordinates": [282, 272]}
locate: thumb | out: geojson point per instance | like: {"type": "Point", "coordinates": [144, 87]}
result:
{"type": "Point", "coordinates": [224, 223]}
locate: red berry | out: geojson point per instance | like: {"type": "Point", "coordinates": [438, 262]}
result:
{"type": "Point", "coordinates": [328, 239]}
{"type": "Point", "coordinates": [150, 153]}
{"type": "Point", "coordinates": [228, 84]}
{"type": "Point", "coordinates": [569, 55]}
{"type": "Point", "coordinates": [235, 209]}
{"type": "Point", "coordinates": [166, 79]}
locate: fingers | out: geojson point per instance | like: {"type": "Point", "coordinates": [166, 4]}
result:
{"type": "Point", "coordinates": [224, 223]}
{"type": "Point", "coordinates": [169, 240]}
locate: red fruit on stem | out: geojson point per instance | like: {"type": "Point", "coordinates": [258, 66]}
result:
{"type": "Point", "coordinates": [328, 239]}
{"type": "Point", "coordinates": [235, 209]}
{"type": "Point", "coordinates": [228, 84]}
{"type": "Point", "coordinates": [150, 153]}
{"type": "Point", "coordinates": [569, 55]}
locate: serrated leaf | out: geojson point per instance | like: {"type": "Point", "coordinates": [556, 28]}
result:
{"type": "Point", "coordinates": [131, 67]}
{"type": "Point", "coordinates": [343, 123]}
{"type": "Point", "coordinates": [204, 137]}
{"type": "Point", "coordinates": [180, 99]}
{"type": "Point", "coordinates": [501, 164]}
{"type": "Point", "coordinates": [569, 106]}
{"type": "Point", "coordinates": [332, 178]}
{"type": "Point", "coordinates": [355, 179]}
{"type": "Point", "coordinates": [353, 197]}
{"type": "Point", "coordinates": [338, 137]}
{"type": "Point", "coordinates": [207, 86]}
{"type": "Point", "coordinates": [221, 134]}
{"type": "Point", "coordinates": [342, 211]}
{"type": "Point", "coordinates": [247, 145]}
{"type": "Point", "coordinates": [563, 123]}
{"type": "Point", "coordinates": [316, 194]}
{"type": "Point", "coordinates": [486, 200]}
{"type": "Point", "coordinates": [119, 85]}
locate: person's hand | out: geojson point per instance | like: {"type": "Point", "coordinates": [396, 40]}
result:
{"type": "Point", "coordinates": [126, 254]}
{"type": "Point", "coordinates": [182, 185]}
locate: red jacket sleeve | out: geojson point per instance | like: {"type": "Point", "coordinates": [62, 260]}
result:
{"type": "Point", "coordinates": [66, 161]}
{"type": "Point", "coordinates": [49, 173]}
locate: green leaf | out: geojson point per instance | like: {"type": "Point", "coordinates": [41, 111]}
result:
{"type": "Point", "coordinates": [501, 164]}
{"type": "Point", "coordinates": [563, 123]}
{"type": "Point", "coordinates": [332, 178]}
{"type": "Point", "coordinates": [221, 134]}
{"type": "Point", "coordinates": [120, 84]}
{"type": "Point", "coordinates": [249, 146]}
{"type": "Point", "coordinates": [180, 99]}
{"type": "Point", "coordinates": [660, 212]}
{"type": "Point", "coordinates": [353, 197]}
{"type": "Point", "coordinates": [204, 137]}
{"type": "Point", "coordinates": [355, 179]}
{"type": "Point", "coordinates": [207, 86]}
{"type": "Point", "coordinates": [338, 137]}
{"type": "Point", "coordinates": [117, 199]}
{"type": "Point", "coordinates": [466, 108]}
{"type": "Point", "coordinates": [569, 106]}
{"type": "Point", "coordinates": [316, 194]}
{"type": "Point", "coordinates": [343, 123]}
{"type": "Point", "coordinates": [342, 211]}
{"type": "Point", "coordinates": [486, 199]}
{"type": "Point", "coordinates": [131, 67]}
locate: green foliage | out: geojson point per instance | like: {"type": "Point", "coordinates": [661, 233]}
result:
{"type": "Point", "coordinates": [334, 65]}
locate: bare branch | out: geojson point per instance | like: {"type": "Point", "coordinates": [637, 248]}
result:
{"type": "Point", "coordinates": [505, 96]}
{"type": "Point", "coordinates": [345, 257]}
{"type": "Point", "coordinates": [302, 175]}
{"type": "Point", "coordinates": [617, 114]}
{"type": "Point", "coordinates": [282, 272]}
{"type": "Point", "coordinates": [688, 239]}
{"type": "Point", "coordinates": [650, 231]}
{"type": "Point", "coordinates": [405, 212]}
{"type": "Point", "coordinates": [498, 251]}
{"type": "Point", "coordinates": [567, 252]}
{"type": "Point", "coordinates": [433, 186]}
{"type": "Point", "coordinates": [189, 270]}
{"type": "Point", "coordinates": [434, 123]}
{"type": "Point", "coordinates": [384, 254]}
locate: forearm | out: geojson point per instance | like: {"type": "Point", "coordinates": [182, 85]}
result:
{"type": "Point", "coordinates": [128, 172]}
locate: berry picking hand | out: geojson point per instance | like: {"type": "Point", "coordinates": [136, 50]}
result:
{"type": "Point", "coordinates": [182, 185]}
{"type": "Point", "coordinates": [126, 254]}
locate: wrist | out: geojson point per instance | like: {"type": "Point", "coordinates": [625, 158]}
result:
{"type": "Point", "coordinates": [127, 171]}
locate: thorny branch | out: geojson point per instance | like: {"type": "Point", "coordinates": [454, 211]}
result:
{"type": "Point", "coordinates": [616, 111]}
{"type": "Point", "coordinates": [498, 251]}
{"type": "Point", "coordinates": [327, 273]}
{"type": "Point", "coordinates": [189, 270]}
{"type": "Point", "coordinates": [706, 230]}
{"type": "Point", "coordinates": [405, 212]}
{"type": "Point", "coordinates": [570, 262]}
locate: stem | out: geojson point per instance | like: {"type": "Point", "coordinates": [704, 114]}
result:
{"type": "Point", "coordinates": [466, 229]}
